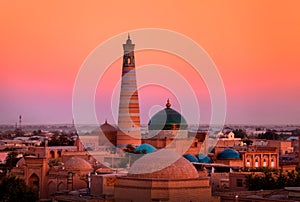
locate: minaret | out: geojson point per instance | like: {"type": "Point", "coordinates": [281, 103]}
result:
{"type": "Point", "coordinates": [129, 111]}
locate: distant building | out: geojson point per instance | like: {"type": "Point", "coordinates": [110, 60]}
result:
{"type": "Point", "coordinates": [247, 156]}
{"type": "Point", "coordinates": [284, 147]}
{"type": "Point", "coordinates": [50, 170]}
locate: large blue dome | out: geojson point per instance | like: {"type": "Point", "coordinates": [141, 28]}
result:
{"type": "Point", "coordinates": [144, 149]}
{"type": "Point", "coordinates": [203, 158]}
{"type": "Point", "coordinates": [167, 119]}
{"type": "Point", "coordinates": [229, 154]}
{"type": "Point", "coordinates": [190, 157]}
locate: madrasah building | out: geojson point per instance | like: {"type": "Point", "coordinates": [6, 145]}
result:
{"type": "Point", "coordinates": [148, 179]}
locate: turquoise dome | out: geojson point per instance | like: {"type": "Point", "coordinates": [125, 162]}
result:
{"type": "Point", "coordinates": [203, 158]}
{"type": "Point", "coordinates": [167, 119]}
{"type": "Point", "coordinates": [190, 157]}
{"type": "Point", "coordinates": [229, 154]}
{"type": "Point", "coordinates": [144, 149]}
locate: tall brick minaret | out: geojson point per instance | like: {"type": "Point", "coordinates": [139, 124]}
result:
{"type": "Point", "coordinates": [129, 111]}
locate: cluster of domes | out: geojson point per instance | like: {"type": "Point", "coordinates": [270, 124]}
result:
{"type": "Point", "coordinates": [200, 158]}
{"type": "Point", "coordinates": [229, 154]}
{"type": "Point", "coordinates": [167, 119]}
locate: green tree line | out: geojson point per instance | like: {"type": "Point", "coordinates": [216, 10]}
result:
{"type": "Point", "coordinates": [272, 179]}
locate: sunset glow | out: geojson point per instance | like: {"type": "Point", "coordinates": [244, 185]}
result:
{"type": "Point", "coordinates": [254, 44]}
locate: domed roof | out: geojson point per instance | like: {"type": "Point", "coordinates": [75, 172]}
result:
{"type": "Point", "coordinates": [167, 119]}
{"type": "Point", "coordinates": [75, 163]}
{"type": "Point", "coordinates": [163, 164]}
{"type": "Point", "coordinates": [229, 154]}
{"type": "Point", "coordinates": [106, 127]}
{"type": "Point", "coordinates": [190, 157]}
{"type": "Point", "coordinates": [203, 158]}
{"type": "Point", "coordinates": [21, 163]}
{"type": "Point", "coordinates": [144, 149]}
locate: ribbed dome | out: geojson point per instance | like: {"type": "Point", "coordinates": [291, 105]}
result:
{"type": "Point", "coordinates": [106, 127]}
{"type": "Point", "coordinates": [190, 157]}
{"type": "Point", "coordinates": [21, 163]}
{"type": "Point", "coordinates": [144, 149]}
{"type": "Point", "coordinates": [203, 158]}
{"type": "Point", "coordinates": [163, 164]}
{"type": "Point", "coordinates": [75, 163]}
{"type": "Point", "coordinates": [109, 132]}
{"type": "Point", "coordinates": [229, 154]}
{"type": "Point", "coordinates": [167, 119]}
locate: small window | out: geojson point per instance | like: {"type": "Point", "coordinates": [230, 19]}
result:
{"type": "Point", "coordinates": [52, 154]}
{"type": "Point", "coordinates": [239, 182]}
{"type": "Point", "coordinates": [195, 144]}
{"type": "Point", "coordinates": [59, 153]}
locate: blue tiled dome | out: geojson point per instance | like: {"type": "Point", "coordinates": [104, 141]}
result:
{"type": "Point", "coordinates": [144, 148]}
{"type": "Point", "coordinates": [203, 158]}
{"type": "Point", "coordinates": [229, 154]}
{"type": "Point", "coordinates": [190, 157]}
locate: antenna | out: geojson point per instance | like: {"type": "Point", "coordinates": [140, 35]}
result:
{"type": "Point", "coordinates": [20, 122]}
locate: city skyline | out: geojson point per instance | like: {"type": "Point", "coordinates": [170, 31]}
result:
{"type": "Point", "coordinates": [255, 46]}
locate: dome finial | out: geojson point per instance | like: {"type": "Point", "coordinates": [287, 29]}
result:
{"type": "Point", "coordinates": [168, 105]}
{"type": "Point", "coordinates": [128, 40]}
{"type": "Point", "coordinates": [105, 121]}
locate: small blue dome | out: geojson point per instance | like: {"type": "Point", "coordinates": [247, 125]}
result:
{"type": "Point", "coordinates": [203, 158]}
{"type": "Point", "coordinates": [229, 154]}
{"type": "Point", "coordinates": [144, 149]}
{"type": "Point", "coordinates": [190, 157]}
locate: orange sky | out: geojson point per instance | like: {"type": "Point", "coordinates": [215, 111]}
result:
{"type": "Point", "coordinates": [255, 45]}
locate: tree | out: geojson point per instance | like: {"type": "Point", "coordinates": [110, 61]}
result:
{"type": "Point", "coordinates": [61, 140]}
{"type": "Point", "coordinates": [14, 189]}
{"type": "Point", "coordinates": [11, 159]}
{"type": "Point", "coordinates": [239, 133]}
{"type": "Point", "coordinates": [269, 135]}
{"type": "Point", "coordinates": [248, 142]}
{"type": "Point", "coordinates": [269, 179]}
{"type": "Point", "coordinates": [130, 156]}
{"type": "Point", "coordinates": [129, 148]}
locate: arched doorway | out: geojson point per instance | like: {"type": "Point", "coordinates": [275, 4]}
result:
{"type": "Point", "coordinates": [51, 188]}
{"type": "Point", "coordinates": [34, 183]}
{"type": "Point", "coordinates": [61, 186]}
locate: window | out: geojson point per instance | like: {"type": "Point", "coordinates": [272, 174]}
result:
{"type": "Point", "coordinates": [239, 182]}
{"type": "Point", "coordinates": [272, 163]}
{"type": "Point", "coordinates": [59, 153]}
{"type": "Point", "coordinates": [265, 163]}
{"type": "Point", "coordinates": [52, 154]}
{"type": "Point", "coordinates": [256, 163]}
